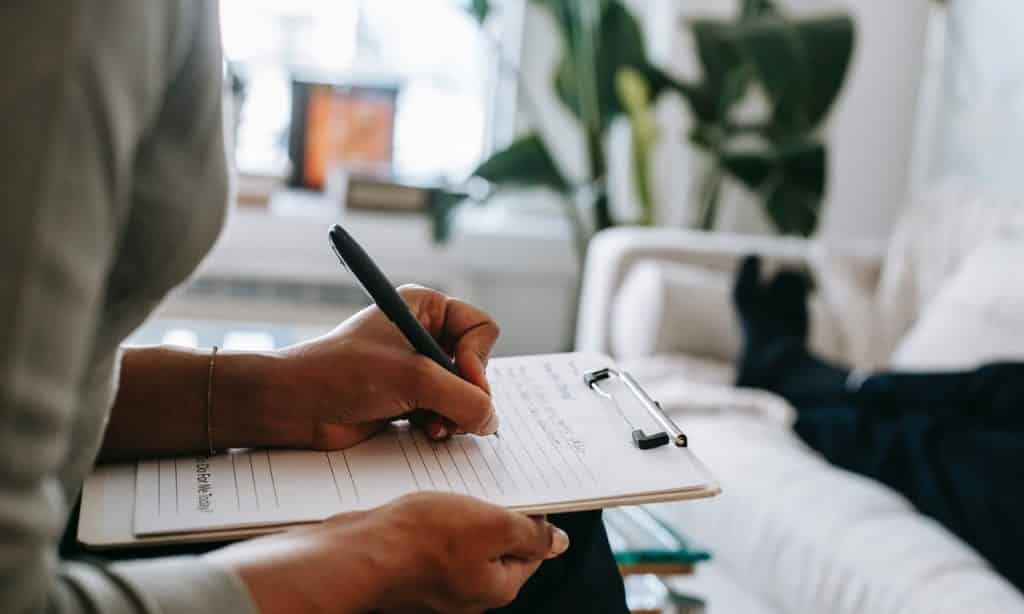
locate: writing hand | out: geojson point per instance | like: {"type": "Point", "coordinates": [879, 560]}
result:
{"type": "Point", "coordinates": [335, 391]}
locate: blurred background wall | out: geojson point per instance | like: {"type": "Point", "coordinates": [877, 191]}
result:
{"type": "Point", "coordinates": [980, 120]}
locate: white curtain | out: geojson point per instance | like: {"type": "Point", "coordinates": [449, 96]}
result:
{"type": "Point", "coordinates": [980, 124]}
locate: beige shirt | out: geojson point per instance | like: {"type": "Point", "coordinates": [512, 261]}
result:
{"type": "Point", "coordinates": [113, 185]}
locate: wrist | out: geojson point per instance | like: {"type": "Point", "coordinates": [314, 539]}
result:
{"type": "Point", "coordinates": [243, 409]}
{"type": "Point", "coordinates": [275, 590]}
{"type": "Point", "coordinates": [378, 566]}
{"type": "Point", "coordinates": [297, 572]}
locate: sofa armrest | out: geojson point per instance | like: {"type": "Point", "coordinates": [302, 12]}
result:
{"type": "Point", "coordinates": [613, 253]}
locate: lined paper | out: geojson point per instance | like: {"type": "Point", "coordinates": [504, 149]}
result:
{"type": "Point", "coordinates": [559, 445]}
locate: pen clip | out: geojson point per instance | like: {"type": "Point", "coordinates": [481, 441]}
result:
{"type": "Point", "coordinates": [642, 440]}
{"type": "Point", "coordinates": [341, 259]}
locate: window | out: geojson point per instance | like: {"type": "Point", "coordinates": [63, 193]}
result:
{"type": "Point", "coordinates": [442, 61]}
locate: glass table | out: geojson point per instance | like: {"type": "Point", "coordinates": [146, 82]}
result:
{"type": "Point", "coordinates": [647, 551]}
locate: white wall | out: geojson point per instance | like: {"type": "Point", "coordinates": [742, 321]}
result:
{"type": "Point", "coordinates": [981, 114]}
{"type": "Point", "coordinates": [872, 128]}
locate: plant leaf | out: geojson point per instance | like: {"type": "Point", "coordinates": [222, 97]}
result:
{"type": "Point", "coordinates": [602, 212]}
{"type": "Point", "coordinates": [619, 44]}
{"type": "Point", "coordinates": [635, 94]}
{"type": "Point", "coordinates": [805, 165]}
{"type": "Point", "coordinates": [565, 76]}
{"type": "Point", "coordinates": [828, 46]}
{"type": "Point", "coordinates": [659, 82]}
{"type": "Point", "coordinates": [726, 74]}
{"type": "Point", "coordinates": [442, 206]}
{"type": "Point", "coordinates": [567, 85]}
{"type": "Point", "coordinates": [757, 8]}
{"type": "Point", "coordinates": [802, 65]}
{"type": "Point", "coordinates": [753, 169]}
{"type": "Point", "coordinates": [525, 162]}
{"type": "Point", "coordinates": [564, 13]}
{"type": "Point", "coordinates": [793, 210]}
{"type": "Point", "coordinates": [773, 48]}
{"type": "Point", "coordinates": [791, 182]}
{"type": "Point", "coordinates": [479, 9]}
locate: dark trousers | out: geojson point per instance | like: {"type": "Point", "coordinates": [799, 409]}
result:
{"type": "Point", "coordinates": [584, 579]}
{"type": "Point", "coordinates": [952, 443]}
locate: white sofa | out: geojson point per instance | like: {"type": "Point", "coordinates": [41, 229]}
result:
{"type": "Point", "coordinates": [790, 533]}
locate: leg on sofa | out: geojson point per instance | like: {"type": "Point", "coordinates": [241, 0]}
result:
{"type": "Point", "coordinates": [951, 442]}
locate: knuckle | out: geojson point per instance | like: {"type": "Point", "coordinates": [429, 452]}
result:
{"type": "Point", "coordinates": [410, 500]}
{"type": "Point", "coordinates": [422, 371]}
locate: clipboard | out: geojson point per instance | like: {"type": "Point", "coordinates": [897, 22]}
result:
{"type": "Point", "coordinates": [109, 517]}
{"type": "Point", "coordinates": [641, 439]}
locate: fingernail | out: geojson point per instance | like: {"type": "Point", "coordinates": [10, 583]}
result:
{"type": "Point", "coordinates": [559, 541]}
{"type": "Point", "coordinates": [437, 430]}
{"type": "Point", "coordinates": [491, 426]}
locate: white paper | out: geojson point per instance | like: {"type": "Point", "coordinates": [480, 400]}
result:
{"type": "Point", "coordinates": [560, 444]}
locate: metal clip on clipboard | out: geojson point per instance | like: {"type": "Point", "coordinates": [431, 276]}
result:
{"type": "Point", "coordinates": [641, 439]}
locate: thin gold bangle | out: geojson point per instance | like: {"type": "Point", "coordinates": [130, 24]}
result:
{"type": "Point", "coordinates": [209, 402]}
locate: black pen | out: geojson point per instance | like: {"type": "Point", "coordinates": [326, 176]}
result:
{"type": "Point", "coordinates": [354, 258]}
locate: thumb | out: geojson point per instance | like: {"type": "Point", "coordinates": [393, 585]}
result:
{"type": "Point", "coordinates": [513, 574]}
{"type": "Point", "coordinates": [531, 538]}
{"type": "Point", "coordinates": [437, 389]}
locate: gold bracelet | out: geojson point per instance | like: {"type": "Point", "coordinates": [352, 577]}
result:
{"type": "Point", "coordinates": [209, 402]}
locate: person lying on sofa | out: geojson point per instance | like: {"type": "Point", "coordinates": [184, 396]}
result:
{"type": "Point", "coordinates": [951, 442]}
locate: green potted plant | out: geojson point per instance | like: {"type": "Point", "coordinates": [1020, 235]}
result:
{"type": "Point", "coordinates": [599, 39]}
{"type": "Point", "coordinates": [798, 64]}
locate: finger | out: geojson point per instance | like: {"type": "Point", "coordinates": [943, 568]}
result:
{"type": "Point", "coordinates": [435, 388]}
{"type": "Point", "coordinates": [465, 331]}
{"type": "Point", "coordinates": [435, 426]}
{"type": "Point", "coordinates": [471, 334]}
{"type": "Point", "coordinates": [338, 436]}
{"type": "Point", "coordinates": [427, 305]}
{"type": "Point", "coordinates": [439, 428]}
{"type": "Point", "coordinates": [531, 538]}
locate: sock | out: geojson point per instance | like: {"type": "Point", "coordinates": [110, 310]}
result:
{"type": "Point", "coordinates": [774, 320]}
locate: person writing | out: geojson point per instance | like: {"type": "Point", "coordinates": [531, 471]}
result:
{"type": "Point", "coordinates": [114, 187]}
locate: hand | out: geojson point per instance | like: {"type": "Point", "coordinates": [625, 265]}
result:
{"type": "Point", "coordinates": [337, 390]}
{"type": "Point", "coordinates": [428, 552]}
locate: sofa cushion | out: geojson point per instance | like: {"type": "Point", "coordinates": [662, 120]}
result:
{"type": "Point", "coordinates": [666, 307]}
{"type": "Point", "coordinates": [929, 244]}
{"type": "Point", "coordinates": [846, 275]}
{"type": "Point", "coordinates": [976, 317]}
{"type": "Point", "coordinates": [807, 537]}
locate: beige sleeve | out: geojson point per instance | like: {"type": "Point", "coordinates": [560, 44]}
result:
{"type": "Point", "coordinates": [83, 83]}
